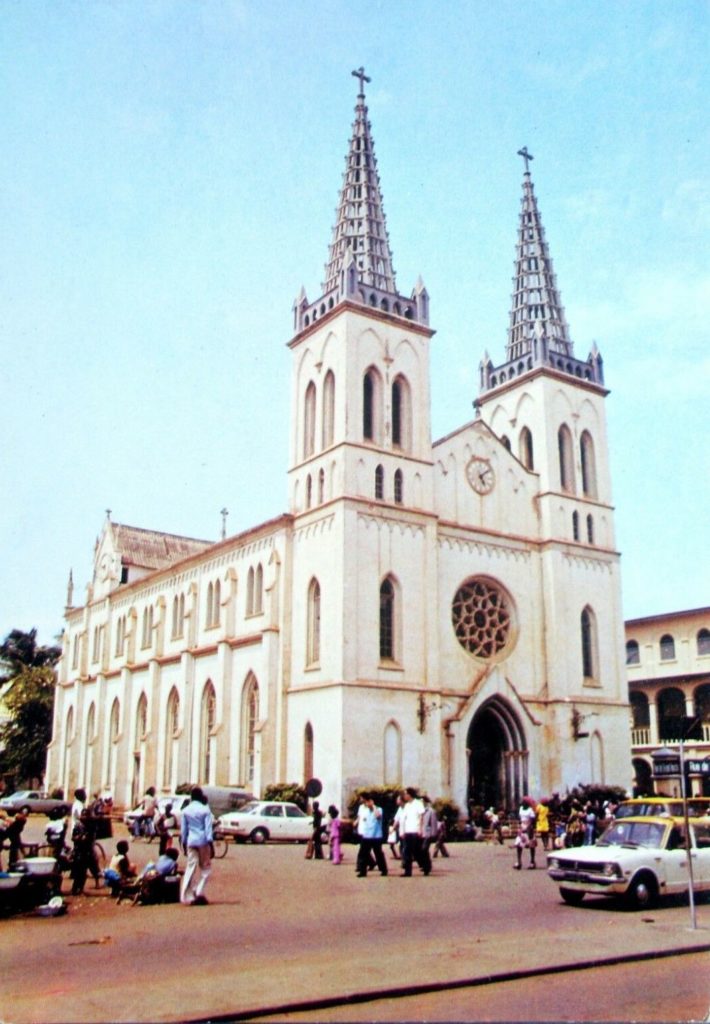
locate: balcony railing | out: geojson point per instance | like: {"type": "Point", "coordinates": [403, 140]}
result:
{"type": "Point", "coordinates": [641, 737]}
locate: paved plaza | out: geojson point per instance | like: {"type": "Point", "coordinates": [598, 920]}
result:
{"type": "Point", "coordinates": [283, 931]}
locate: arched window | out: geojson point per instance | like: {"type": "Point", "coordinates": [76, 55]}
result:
{"type": "Point", "coordinates": [321, 486]}
{"type": "Point", "coordinates": [526, 448]}
{"type": "Point", "coordinates": [208, 720]}
{"type": "Point", "coordinates": [671, 714]}
{"type": "Point", "coordinates": [702, 709]}
{"type": "Point", "coordinates": [114, 735]}
{"type": "Point", "coordinates": [590, 658]}
{"type": "Point", "coordinates": [250, 591]}
{"type": "Point", "coordinates": [387, 620]}
{"type": "Point", "coordinates": [398, 487]}
{"type": "Point", "coordinates": [313, 624]}
{"type": "Point", "coordinates": [590, 529]}
{"type": "Point", "coordinates": [250, 717]}
{"type": "Point", "coordinates": [401, 414]}
{"type": "Point", "coordinates": [259, 589]}
{"type": "Point", "coordinates": [379, 483]}
{"type": "Point", "coordinates": [703, 641]}
{"type": "Point", "coordinates": [210, 600]}
{"type": "Point", "coordinates": [309, 491]}
{"type": "Point", "coordinates": [667, 648]}
{"type": "Point", "coordinates": [589, 467]}
{"type": "Point", "coordinates": [89, 740]}
{"type": "Point", "coordinates": [566, 455]}
{"type": "Point", "coordinates": [633, 656]}
{"type": "Point", "coordinates": [308, 752]}
{"type": "Point", "coordinates": [216, 602]}
{"type": "Point", "coordinates": [328, 409]}
{"type": "Point", "coordinates": [575, 525]}
{"type": "Point", "coordinates": [172, 735]}
{"type": "Point", "coordinates": [145, 635]}
{"type": "Point", "coordinates": [176, 617]}
{"type": "Point", "coordinates": [392, 754]}
{"type": "Point", "coordinates": [371, 406]}
{"type": "Point", "coordinates": [640, 711]}
{"type": "Point", "coordinates": [309, 421]}
{"type": "Point", "coordinates": [141, 721]}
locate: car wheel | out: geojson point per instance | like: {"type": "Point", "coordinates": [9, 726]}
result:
{"type": "Point", "coordinates": [642, 893]}
{"type": "Point", "coordinates": [25, 810]}
{"type": "Point", "coordinates": [572, 896]}
{"type": "Point", "coordinates": [259, 836]}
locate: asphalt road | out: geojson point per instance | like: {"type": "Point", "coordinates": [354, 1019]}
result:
{"type": "Point", "coordinates": [281, 930]}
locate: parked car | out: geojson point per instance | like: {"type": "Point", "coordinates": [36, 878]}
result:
{"type": "Point", "coordinates": [698, 806]}
{"type": "Point", "coordinates": [178, 800]}
{"type": "Point", "coordinates": [29, 800]}
{"type": "Point", "coordinates": [638, 859]}
{"type": "Point", "coordinates": [261, 820]}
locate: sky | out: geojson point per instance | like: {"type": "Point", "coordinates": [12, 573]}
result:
{"type": "Point", "coordinates": [170, 172]}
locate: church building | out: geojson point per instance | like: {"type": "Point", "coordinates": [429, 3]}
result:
{"type": "Point", "coordinates": [445, 614]}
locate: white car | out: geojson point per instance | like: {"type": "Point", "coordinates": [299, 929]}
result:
{"type": "Point", "coordinates": [260, 820]}
{"type": "Point", "coordinates": [638, 859]}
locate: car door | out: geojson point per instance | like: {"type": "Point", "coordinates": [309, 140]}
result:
{"type": "Point", "coordinates": [700, 853]}
{"type": "Point", "coordinates": [275, 821]}
{"type": "Point", "coordinates": [674, 860]}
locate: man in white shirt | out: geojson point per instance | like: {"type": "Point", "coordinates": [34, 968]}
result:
{"type": "Point", "coordinates": [413, 829]}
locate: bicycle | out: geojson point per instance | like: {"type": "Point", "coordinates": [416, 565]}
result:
{"type": "Point", "coordinates": [220, 844]}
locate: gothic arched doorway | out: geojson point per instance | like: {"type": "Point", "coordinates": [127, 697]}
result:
{"type": "Point", "coordinates": [497, 757]}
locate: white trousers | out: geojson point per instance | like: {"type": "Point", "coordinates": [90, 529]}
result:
{"type": "Point", "coordinates": [197, 857]}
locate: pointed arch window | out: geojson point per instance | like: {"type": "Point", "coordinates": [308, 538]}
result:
{"type": "Point", "coordinates": [575, 525]}
{"type": "Point", "coordinates": [321, 486]}
{"type": "Point", "coordinates": [309, 491]}
{"type": "Point", "coordinates": [387, 620]}
{"type": "Point", "coordinates": [90, 740]}
{"type": "Point", "coordinates": [379, 483]}
{"type": "Point", "coordinates": [309, 421]}
{"type": "Point", "coordinates": [250, 718]}
{"type": "Point", "coordinates": [371, 406]}
{"type": "Point", "coordinates": [114, 736]}
{"type": "Point", "coordinates": [208, 720]}
{"type": "Point", "coordinates": [214, 601]}
{"type": "Point", "coordinates": [328, 409]}
{"type": "Point", "coordinates": [588, 463]}
{"type": "Point", "coordinates": [566, 456]}
{"type": "Point", "coordinates": [141, 721]}
{"type": "Point", "coordinates": [259, 590]}
{"type": "Point", "coordinates": [178, 616]}
{"type": "Point", "coordinates": [308, 752]}
{"type": "Point", "coordinates": [398, 487]}
{"type": "Point", "coordinates": [392, 754]}
{"type": "Point", "coordinates": [401, 414]}
{"type": "Point", "coordinates": [172, 735]}
{"type": "Point", "coordinates": [590, 529]}
{"type": "Point", "coordinates": [250, 591]}
{"type": "Point", "coordinates": [590, 657]}
{"type": "Point", "coordinates": [526, 448]}
{"type": "Point", "coordinates": [313, 624]}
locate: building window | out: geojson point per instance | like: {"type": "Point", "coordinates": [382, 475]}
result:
{"type": "Point", "coordinates": [147, 632]}
{"type": "Point", "coordinates": [259, 590]}
{"type": "Point", "coordinates": [671, 714]}
{"type": "Point", "coordinates": [667, 647]}
{"type": "Point", "coordinates": [481, 614]}
{"type": "Point", "coordinates": [309, 491]}
{"type": "Point", "coordinates": [250, 591]}
{"type": "Point", "coordinates": [371, 402]}
{"type": "Point", "coordinates": [308, 752]}
{"type": "Point", "coordinates": [640, 712]}
{"type": "Point", "coordinates": [328, 409]}
{"type": "Point", "coordinates": [633, 656]}
{"type": "Point", "coordinates": [379, 483]}
{"type": "Point", "coordinates": [309, 421]}
{"type": "Point", "coordinates": [575, 526]}
{"type": "Point", "coordinates": [120, 635]}
{"type": "Point", "coordinates": [703, 641]}
{"type": "Point", "coordinates": [214, 597]}
{"type": "Point", "coordinates": [392, 754]}
{"type": "Point", "coordinates": [590, 529]}
{"type": "Point", "coordinates": [401, 414]}
{"type": "Point", "coordinates": [387, 612]}
{"type": "Point", "coordinates": [566, 457]}
{"type": "Point", "coordinates": [250, 717]}
{"type": "Point", "coordinates": [178, 616]}
{"type": "Point", "coordinates": [589, 644]}
{"type": "Point", "coordinates": [526, 448]}
{"type": "Point", "coordinates": [588, 463]}
{"type": "Point", "coordinates": [398, 487]}
{"type": "Point", "coordinates": [321, 486]}
{"type": "Point", "coordinates": [313, 624]}
{"type": "Point", "coordinates": [208, 719]}
{"type": "Point", "coordinates": [141, 721]}
{"type": "Point", "coordinates": [172, 734]}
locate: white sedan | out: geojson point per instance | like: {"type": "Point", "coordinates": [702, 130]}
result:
{"type": "Point", "coordinates": [639, 859]}
{"type": "Point", "coordinates": [260, 820]}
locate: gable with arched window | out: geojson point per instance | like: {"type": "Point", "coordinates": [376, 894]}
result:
{"type": "Point", "coordinates": [309, 421]}
{"type": "Point", "coordinates": [589, 465]}
{"type": "Point", "coordinates": [590, 653]}
{"type": "Point", "coordinates": [566, 459]}
{"type": "Point", "coordinates": [313, 623]}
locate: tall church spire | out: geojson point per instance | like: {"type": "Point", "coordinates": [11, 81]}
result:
{"type": "Point", "coordinates": [537, 311]}
{"type": "Point", "coordinates": [537, 334]}
{"type": "Point", "coordinates": [360, 227]}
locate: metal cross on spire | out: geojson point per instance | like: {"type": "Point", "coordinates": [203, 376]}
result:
{"type": "Point", "coordinates": [527, 157]}
{"type": "Point", "coordinates": [360, 73]}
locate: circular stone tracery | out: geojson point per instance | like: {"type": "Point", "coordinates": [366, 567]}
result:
{"type": "Point", "coordinates": [482, 618]}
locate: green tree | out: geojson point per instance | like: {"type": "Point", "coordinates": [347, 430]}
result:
{"type": "Point", "coordinates": [28, 681]}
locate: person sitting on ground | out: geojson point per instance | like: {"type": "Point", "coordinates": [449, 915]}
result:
{"type": "Point", "coordinates": [120, 871]}
{"type": "Point", "coordinates": [152, 879]}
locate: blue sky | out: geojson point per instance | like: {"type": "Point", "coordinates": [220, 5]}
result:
{"type": "Point", "coordinates": [170, 172]}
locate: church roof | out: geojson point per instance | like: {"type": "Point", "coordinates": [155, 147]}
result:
{"type": "Point", "coordinates": [150, 549]}
{"type": "Point", "coordinates": [537, 310]}
{"type": "Point", "coordinates": [360, 227]}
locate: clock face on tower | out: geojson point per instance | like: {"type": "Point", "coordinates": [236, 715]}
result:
{"type": "Point", "coordinates": [480, 475]}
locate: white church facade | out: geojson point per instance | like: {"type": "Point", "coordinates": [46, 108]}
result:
{"type": "Point", "coordinates": [443, 614]}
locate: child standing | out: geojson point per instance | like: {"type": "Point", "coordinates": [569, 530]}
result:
{"type": "Point", "coordinates": [335, 824]}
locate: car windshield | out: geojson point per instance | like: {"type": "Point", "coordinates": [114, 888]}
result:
{"type": "Point", "coordinates": [633, 833]}
{"type": "Point", "coordinates": [251, 808]}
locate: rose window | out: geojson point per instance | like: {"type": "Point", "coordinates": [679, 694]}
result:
{"type": "Point", "coordinates": [482, 618]}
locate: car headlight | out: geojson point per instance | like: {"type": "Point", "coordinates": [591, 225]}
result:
{"type": "Point", "coordinates": [611, 870]}
{"type": "Point", "coordinates": [553, 862]}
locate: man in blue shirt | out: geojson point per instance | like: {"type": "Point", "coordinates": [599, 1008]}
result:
{"type": "Point", "coordinates": [196, 840]}
{"type": "Point", "coordinates": [370, 837]}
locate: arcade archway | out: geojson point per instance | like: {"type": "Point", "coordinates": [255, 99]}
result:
{"type": "Point", "coordinates": [497, 757]}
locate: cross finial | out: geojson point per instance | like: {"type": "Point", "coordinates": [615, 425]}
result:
{"type": "Point", "coordinates": [224, 513]}
{"type": "Point", "coordinates": [527, 157]}
{"type": "Point", "coordinates": [360, 73]}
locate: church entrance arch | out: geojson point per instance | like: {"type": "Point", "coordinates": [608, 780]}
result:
{"type": "Point", "coordinates": [497, 757]}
